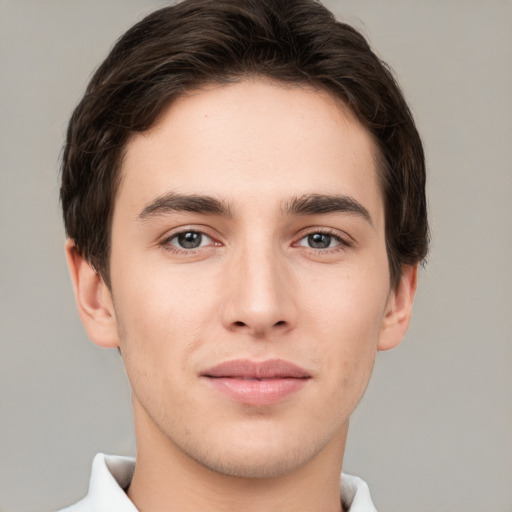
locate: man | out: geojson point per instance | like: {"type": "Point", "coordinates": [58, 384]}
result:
{"type": "Point", "coordinates": [243, 193]}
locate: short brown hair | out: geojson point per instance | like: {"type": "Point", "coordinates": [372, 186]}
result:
{"type": "Point", "coordinates": [197, 42]}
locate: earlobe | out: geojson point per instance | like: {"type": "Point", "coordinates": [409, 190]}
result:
{"type": "Point", "coordinates": [399, 309]}
{"type": "Point", "coordinates": [93, 299]}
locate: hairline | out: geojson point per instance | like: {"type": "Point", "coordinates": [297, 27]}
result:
{"type": "Point", "coordinates": [314, 86]}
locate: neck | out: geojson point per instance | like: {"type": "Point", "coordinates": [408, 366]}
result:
{"type": "Point", "coordinates": [166, 479]}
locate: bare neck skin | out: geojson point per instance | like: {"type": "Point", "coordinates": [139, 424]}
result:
{"type": "Point", "coordinates": [166, 479]}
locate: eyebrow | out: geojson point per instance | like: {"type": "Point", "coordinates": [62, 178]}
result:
{"type": "Point", "coordinates": [173, 202]}
{"type": "Point", "coordinates": [308, 204]}
{"type": "Point", "coordinates": [317, 204]}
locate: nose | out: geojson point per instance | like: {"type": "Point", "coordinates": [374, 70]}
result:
{"type": "Point", "coordinates": [259, 294]}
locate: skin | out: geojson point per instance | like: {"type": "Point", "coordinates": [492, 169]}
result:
{"type": "Point", "coordinates": [255, 289]}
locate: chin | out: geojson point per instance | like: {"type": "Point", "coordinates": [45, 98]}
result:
{"type": "Point", "coordinates": [256, 465]}
{"type": "Point", "coordinates": [260, 457]}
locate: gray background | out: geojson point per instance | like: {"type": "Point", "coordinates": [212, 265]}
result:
{"type": "Point", "coordinates": [433, 432]}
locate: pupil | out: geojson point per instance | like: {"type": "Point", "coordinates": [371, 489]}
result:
{"type": "Point", "coordinates": [319, 241]}
{"type": "Point", "coordinates": [189, 240]}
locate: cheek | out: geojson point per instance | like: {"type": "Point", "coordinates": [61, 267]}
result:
{"type": "Point", "coordinates": [160, 317]}
{"type": "Point", "coordinates": [346, 318]}
{"type": "Point", "coordinates": [158, 331]}
{"type": "Point", "coordinates": [350, 303]}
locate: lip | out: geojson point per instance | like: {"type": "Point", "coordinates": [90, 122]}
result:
{"type": "Point", "coordinates": [257, 383]}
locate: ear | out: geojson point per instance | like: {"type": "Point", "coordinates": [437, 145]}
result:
{"type": "Point", "coordinates": [93, 299]}
{"type": "Point", "coordinates": [399, 309]}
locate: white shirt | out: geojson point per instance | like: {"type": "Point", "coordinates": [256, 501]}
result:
{"type": "Point", "coordinates": [111, 475]}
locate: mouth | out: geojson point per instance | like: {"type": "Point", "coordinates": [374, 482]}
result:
{"type": "Point", "coordinates": [257, 383]}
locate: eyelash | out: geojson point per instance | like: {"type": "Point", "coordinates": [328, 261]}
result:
{"type": "Point", "coordinates": [343, 243]}
{"type": "Point", "coordinates": [166, 242]}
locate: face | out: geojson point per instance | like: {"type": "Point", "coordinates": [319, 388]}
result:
{"type": "Point", "coordinates": [250, 282]}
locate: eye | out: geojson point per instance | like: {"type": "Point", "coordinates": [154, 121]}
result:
{"type": "Point", "coordinates": [320, 241]}
{"type": "Point", "coordinates": [189, 240]}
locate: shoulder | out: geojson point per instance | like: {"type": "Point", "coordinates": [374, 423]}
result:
{"type": "Point", "coordinates": [110, 477]}
{"type": "Point", "coordinates": [355, 494]}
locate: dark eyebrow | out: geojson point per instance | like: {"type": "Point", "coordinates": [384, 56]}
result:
{"type": "Point", "coordinates": [317, 204]}
{"type": "Point", "coordinates": [173, 202]}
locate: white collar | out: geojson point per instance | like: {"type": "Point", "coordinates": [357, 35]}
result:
{"type": "Point", "coordinates": [112, 474]}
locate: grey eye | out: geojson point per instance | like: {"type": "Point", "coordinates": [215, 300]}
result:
{"type": "Point", "coordinates": [190, 240]}
{"type": "Point", "coordinates": [320, 241]}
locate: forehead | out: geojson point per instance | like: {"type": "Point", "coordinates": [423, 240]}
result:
{"type": "Point", "coordinates": [252, 139]}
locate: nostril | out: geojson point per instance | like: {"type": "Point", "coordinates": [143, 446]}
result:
{"type": "Point", "coordinates": [239, 323]}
